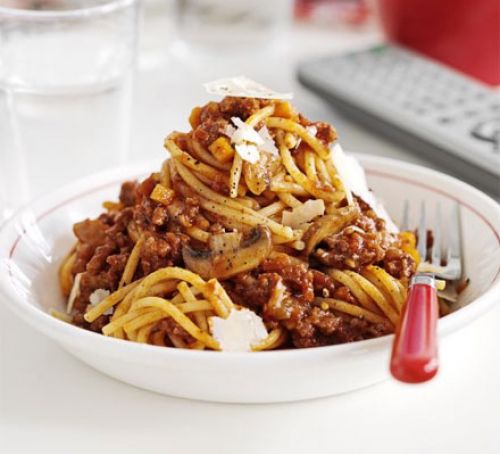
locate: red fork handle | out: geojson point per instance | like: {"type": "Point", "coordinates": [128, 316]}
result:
{"type": "Point", "coordinates": [414, 356]}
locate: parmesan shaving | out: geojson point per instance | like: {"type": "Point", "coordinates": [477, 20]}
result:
{"type": "Point", "coordinates": [245, 132]}
{"type": "Point", "coordinates": [353, 179]}
{"type": "Point", "coordinates": [268, 144]}
{"type": "Point", "coordinates": [248, 152]}
{"type": "Point", "coordinates": [246, 140]}
{"type": "Point", "coordinates": [239, 331]}
{"type": "Point", "coordinates": [243, 87]}
{"type": "Point", "coordinates": [339, 161]}
{"type": "Point", "coordinates": [303, 213]}
{"type": "Point", "coordinates": [97, 296]}
{"type": "Point", "coordinates": [75, 292]}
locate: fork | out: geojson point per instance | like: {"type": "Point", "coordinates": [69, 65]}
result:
{"type": "Point", "coordinates": [414, 357]}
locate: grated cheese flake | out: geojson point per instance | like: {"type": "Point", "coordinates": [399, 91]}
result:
{"type": "Point", "coordinates": [97, 296]}
{"type": "Point", "coordinates": [303, 213]}
{"type": "Point", "coordinates": [243, 87]}
{"type": "Point", "coordinates": [353, 178]}
{"type": "Point", "coordinates": [246, 139]}
{"type": "Point", "coordinates": [268, 144]}
{"type": "Point", "coordinates": [239, 331]}
{"type": "Point", "coordinates": [248, 152]}
{"type": "Point", "coordinates": [249, 142]}
{"type": "Point", "coordinates": [245, 133]}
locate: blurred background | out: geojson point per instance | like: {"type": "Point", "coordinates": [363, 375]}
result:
{"type": "Point", "coordinates": [90, 84]}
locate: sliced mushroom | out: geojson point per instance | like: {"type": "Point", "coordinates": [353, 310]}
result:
{"type": "Point", "coordinates": [224, 242]}
{"type": "Point", "coordinates": [222, 263]}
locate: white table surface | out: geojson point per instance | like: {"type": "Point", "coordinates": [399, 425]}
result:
{"type": "Point", "coordinates": [52, 403]}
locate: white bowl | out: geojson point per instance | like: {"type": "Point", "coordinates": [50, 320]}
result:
{"type": "Point", "coordinates": [34, 242]}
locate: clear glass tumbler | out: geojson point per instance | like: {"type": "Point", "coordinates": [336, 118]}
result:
{"type": "Point", "coordinates": [65, 91]}
{"type": "Point", "coordinates": [232, 25]}
{"type": "Point", "coordinates": [61, 46]}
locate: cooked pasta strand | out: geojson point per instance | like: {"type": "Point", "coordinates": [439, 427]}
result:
{"type": "Point", "coordinates": [387, 282]}
{"type": "Point", "coordinates": [271, 341]}
{"type": "Point", "coordinates": [288, 188]}
{"type": "Point", "coordinates": [201, 168]}
{"type": "Point", "coordinates": [260, 115]}
{"type": "Point", "coordinates": [235, 176]}
{"type": "Point", "coordinates": [114, 325]}
{"type": "Point", "coordinates": [353, 310]}
{"type": "Point", "coordinates": [363, 298]}
{"type": "Point", "coordinates": [252, 219]}
{"type": "Point", "coordinates": [132, 262]}
{"type": "Point", "coordinates": [65, 275]}
{"type": "Point", "coordinates": [198, 234]}
{"type": "Point", "coordinates": [376, 295]}
{"type": "Point", "coordinates": [107, 303]}
{"type": "Point", "coordinates": [61, 315]}
{"type": "Point", "coordinates": [310, 166]}
{"type": "Point", "coordinates": [142, 320]}
{"type": "Point", "coordinates": [311, 187]}
{"type": "Point", "coordinates": [322, 171]}
{"type": "Point", "coordinates": [272, 209]}
{"type": "Point", "coordinates": [289, 199]}
{"type": "Point", "coordinates": [292, 126]}
{"type": "Point", "coordinates": [207, 157]}
{"type": "Point", "coordinates": [173, 311]}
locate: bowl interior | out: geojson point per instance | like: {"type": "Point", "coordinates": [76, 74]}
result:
{"type": "Point", "coordinates": [33, 244]}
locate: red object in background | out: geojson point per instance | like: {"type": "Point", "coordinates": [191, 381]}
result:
{"type": "Point", "coordinates": [464, 34]}
{"type": "Point", "coordinates": [351, 12]}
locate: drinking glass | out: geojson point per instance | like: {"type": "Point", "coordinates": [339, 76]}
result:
{"type": "Point", "coordinates": [65, 46]}
{"type": "Point", "coordinates": [66, 70]}
{"type": "Point", "coordinates": [235, 25]}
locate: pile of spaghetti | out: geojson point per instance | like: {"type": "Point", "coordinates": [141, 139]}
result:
{"type": "Point", "coordinates": [250, 215]}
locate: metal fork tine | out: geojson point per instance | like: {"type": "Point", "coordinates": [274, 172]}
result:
{"type": "Point", "coordinates": [436, 245]}
{"type": "Point", "coordinates": [454, 247]}
{"type": "Point", "coordinates": [405, 218]}
{"type": "Point", "coordinates": [422, 233]}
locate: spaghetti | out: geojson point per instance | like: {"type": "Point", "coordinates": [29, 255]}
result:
{"type": "Point", "coordinates": [250, 214]}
